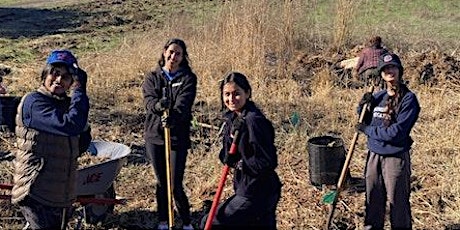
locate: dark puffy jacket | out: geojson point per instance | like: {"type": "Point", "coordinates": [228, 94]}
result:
{"type": "Point", "coordinates": [182, 92]}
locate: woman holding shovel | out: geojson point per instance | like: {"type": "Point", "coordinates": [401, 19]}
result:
{"type": "Point", "coordinates": [256, 184]}
{"type": "Point", "coordinates": [393, 113]}
{"type": "Point", "coordinates": [169, 92]}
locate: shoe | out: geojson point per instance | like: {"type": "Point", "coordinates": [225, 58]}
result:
{"type": "Point", "coordinates": [187, 227]}
{"type": "Point", "coordinates": [163, 225]}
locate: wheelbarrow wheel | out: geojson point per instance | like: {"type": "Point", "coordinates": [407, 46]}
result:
{"type": "Point", "coordinates": [96, 213]}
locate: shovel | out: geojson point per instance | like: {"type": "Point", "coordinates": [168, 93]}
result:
{"type": "Point", "coordinates": [168, 160]}
{"type": "Point", "coordinates": [332, 197]}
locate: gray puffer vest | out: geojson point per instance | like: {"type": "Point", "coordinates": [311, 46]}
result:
{"type": "Point", "coordinates": [45, 166]}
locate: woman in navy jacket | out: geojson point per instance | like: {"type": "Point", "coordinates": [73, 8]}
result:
{"type": "Point", "coordinates": [394, 112]}
{"type": "Point", "coordinates": [171, 85]}
{"type": "Point", "coordinates": [256, 184]}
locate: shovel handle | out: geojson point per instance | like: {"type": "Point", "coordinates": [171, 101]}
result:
{"type": "Point", "coordinates": [346, 164]}
{"type": "Point", "coordinates": [220, 187]}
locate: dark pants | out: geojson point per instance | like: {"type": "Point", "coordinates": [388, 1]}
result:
{"type": "Point", "coordinates": [41, 216]}
{"type": "Point", "coordinates": [239, 212]}
{"type": "Point", "coordinates": [388, 179]}
{"type": "Point", "coordinates": [156, 153]}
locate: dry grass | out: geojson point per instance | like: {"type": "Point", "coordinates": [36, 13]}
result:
{"type": "Point", "coordinates": [259, 39]}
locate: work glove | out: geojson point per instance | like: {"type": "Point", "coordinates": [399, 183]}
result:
{"type": "Point", "coordinates": [232, 159]}
{"type": "Point", "coordinates": [367, 98]}
{"type": "Point", "coordinates": [237, 124]}
{"type": "Point", "coordinates": [167, 122]}
{"type": "Point", "coordinates": [85, 139]}
{"type": "Point", "coordinates": [360, 127]}
{"type": "Point", "coordinates": [80, 78]}
{"type": "Point", "coordinates": [163, 104]}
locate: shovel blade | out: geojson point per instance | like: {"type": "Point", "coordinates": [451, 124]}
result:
{"type": "Point", "coordinates": [329, 197]}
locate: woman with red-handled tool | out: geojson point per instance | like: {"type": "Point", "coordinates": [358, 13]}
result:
{"type": "Point", "coordinates": [256, 184]}
{"type": "Point", "coordinates": [388, 168]}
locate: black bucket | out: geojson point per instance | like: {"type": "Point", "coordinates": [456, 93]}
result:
{"type": "Point", "coordinates": [326, 158]}
{"type": "Point", "coordinates": [8, 111]}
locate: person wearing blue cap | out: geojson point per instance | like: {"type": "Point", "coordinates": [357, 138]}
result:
{"type": "Point", "coordinates": [391, 117]}
{"type": "Point", "coordinates": [51, 133]}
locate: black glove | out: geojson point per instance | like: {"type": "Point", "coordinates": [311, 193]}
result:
{"type": "Point", "coordinates": [367, 98]}
{"type": "Point", "coordinates": [167, 122]}
{"type": "Point", "coordinates": [232, 159]}
{"type": "Point", "coordinates": [237, 124]}
{"type": "Point", "coordinates": [163, 104]}
{"type": "Point", "coordinates": [85, 139]}
{"type": "Point", "coordinates": [81, 77]}
{"type": "Point", "coordinates": [360, 127]}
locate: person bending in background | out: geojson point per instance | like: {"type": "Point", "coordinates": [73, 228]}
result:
{"type": "Point", "coordinates": [366, 67]}
{"type": "Point", "coordinates": [256, 184]}
{"type": "Point", "coordinates": [49, 128]}
{"type": "Point", "coordinates": [394, 112]}
{"type": "Point", "coordinates": [172, 85]}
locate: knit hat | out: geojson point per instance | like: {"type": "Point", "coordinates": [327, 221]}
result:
{"type": "Point", "coordinates": [66, 57]}
{"type": "Point", "coordinates": [387, 59]}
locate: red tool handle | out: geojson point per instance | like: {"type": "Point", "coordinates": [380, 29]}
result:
{"type": "Point", "coordinates": [220, 187]}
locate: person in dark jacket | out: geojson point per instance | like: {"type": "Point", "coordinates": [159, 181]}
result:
{"type": "Point", "coordinates": [49, 126]}
{"type": "Point", "coordinates": [170, 86]}
{"type": "Point", "coordinates": [393, 112]}
{"type": "Point", "coordinates": [366, 67]}
{"type": "Point", "coordinates": [256, 183]}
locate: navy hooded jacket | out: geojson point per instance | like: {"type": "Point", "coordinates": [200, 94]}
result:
{"type": "Point", "coordinates": [394, 138]}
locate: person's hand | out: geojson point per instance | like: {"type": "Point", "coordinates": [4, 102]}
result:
{"type": "Point", "coordinates": [80, 79]}
{"type": "Point", "coordinates": [167, 122]}
{"type": "Point", "coordinates": [367, 98]}
{"type": "Point", "coordinates": [360, 127]}
{"type": "Point", "coordinates": [162, 105]}
{"type": "Point", "coordinates": [232, 159]}
{"type": "Point", "coordinates": [237, 124]}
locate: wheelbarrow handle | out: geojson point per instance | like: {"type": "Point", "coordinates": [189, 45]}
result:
{"type": "Point", "coordinates": [102, 201]}
{"type": "Point", "coordinates": [81, 200]}
{"type": "Point", "coordinates": [6, 186]}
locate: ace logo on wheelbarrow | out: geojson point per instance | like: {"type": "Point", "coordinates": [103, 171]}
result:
{"type": "Point", "coordinates": [95, 189]}
{"type": "Point", "coordinates": [93, 178]}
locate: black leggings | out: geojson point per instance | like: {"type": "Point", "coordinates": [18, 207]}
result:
{"type": "Point", "coordinates": [156, 154]}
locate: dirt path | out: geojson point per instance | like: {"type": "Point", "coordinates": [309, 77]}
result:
{"type": "Point", "coordinates": [38, 3]}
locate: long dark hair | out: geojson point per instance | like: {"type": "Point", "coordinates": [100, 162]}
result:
{"type": "Point", "coordinates": [393, 103]}
{"type": "Point", "coordinates": [239, 79]}
{"type": "Point", "coordinates": [185, 61]}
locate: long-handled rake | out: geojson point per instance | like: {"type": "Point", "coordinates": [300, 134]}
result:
{"type": "Point", "coordinates": [333, 196]}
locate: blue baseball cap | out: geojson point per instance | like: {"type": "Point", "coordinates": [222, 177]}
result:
{"type": "Point", "coordinates": [65, 57]}
{"type": "Point", "coordinates": [387, 59]}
